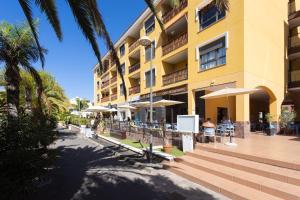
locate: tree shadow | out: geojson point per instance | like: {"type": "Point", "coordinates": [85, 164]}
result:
{"type": "Point", "coordinates": [89, 172]}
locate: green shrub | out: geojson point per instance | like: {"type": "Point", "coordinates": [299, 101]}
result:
{"type": "Point", "coordinates": [23, 152]}
{"type": "Point", "coordinates": [76, 120]}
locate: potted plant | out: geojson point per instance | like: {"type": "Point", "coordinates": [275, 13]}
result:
{"type": "Point", "coordinates": [287, 117]}
{"type": "Point", "coordinates": [83, 123]}
{"type": "Point", "coordinates": [271, 130]}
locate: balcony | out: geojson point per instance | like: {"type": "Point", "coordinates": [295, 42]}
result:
{"type": "Point", "coordinates": [172, 13]}
{"type": "Point", "coordinates": [294, 19]}
{"type": "Point", "coordinates": [175, 44]}
{"type": "Point", "coordinates": [175, 77]}
{"type": "Point", "coordinates": [114, 97]}
{"type": "Point", "coordinates": [105, 84]}
{"type": "Point", "coordinates": [134, 45]}
{"type": "Point", "coordinates": [133, 68]}
{"type": "Point", "coordinates": [134, 90]}
{"type": "Point", "coordinates": [113, 80]}
{"type": "Point", "coordinates": [105, 99]}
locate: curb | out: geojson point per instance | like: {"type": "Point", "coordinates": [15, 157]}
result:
{"type": "Point", "coordinates": [139, 151]}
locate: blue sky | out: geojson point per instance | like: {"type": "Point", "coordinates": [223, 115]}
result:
{"type": "Point", "coordinates": [71, 61]}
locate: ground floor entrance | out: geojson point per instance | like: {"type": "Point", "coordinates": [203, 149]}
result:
{"type": "Point", "coordinates": [250, 113]}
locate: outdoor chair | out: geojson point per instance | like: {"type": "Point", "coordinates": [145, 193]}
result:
{"type": "Point", "coordinates": [209, 132]}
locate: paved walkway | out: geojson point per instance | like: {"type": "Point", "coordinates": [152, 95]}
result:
{"type": "Point", "coordinates": [88, 170]}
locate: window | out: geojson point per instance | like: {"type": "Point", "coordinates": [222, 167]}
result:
{"type": "Point", "coordinates": [98, 97]}
{"type": "Point", "coordinates": [213, 54]}
{"type": "Point", "coordinates": [147, 76]}
{"type": "Point", "coordinates": [122, 50]}
{"type": "Point", "coordinates": [210, 15]}
{"type": "Point", "coordinates": [121, 90]}
{"type": "Point", "coordinates": [148, 51]}
{"type": "Point", "coordinates": [98, 84]}
{"type": "Point", "coordinates": [123, 68]}
{"type": "Point", "coordinates": [150, 24]}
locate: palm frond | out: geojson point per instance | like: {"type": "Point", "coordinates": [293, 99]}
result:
{"type": "Point", "coordinates": [81, 13]}
{"type": "Point", "coordinates": [222, 5]}
{"type": "Point", "coordinates": [49, 8]}
{"type": "Point", "coordinates": [37, 79]}
{"type": "Point", "coordinates": [25, 4]}
{"type": "Point", "coordinates": [151, 6]}
{"type": "Point", "coordinates": [100, 27]}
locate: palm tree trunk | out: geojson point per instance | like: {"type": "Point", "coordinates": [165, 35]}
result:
{"type": "Point", "coordinates": [28, 98]}
{"type": "Point", "coordinates": [12, 78]}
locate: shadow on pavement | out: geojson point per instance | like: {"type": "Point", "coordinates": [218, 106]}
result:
{"type": "Point", "coordinates": [90, 172]}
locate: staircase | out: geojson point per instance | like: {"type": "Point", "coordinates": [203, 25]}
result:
{"type": "Point", "coordinates": [238, 176]}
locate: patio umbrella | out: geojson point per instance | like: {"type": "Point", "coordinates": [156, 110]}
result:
{"type": "Point", "coordinates": [127, 107]}
{"type": "Point", "coordinates": [227, 92]}
{"type": "Point", "coordinates": [113, 110]}
{"type": "Point", "coordinates": [97, 109]}
{"type": "Point", "coordinates": [165, 103]}
{"type": "Point", "coordinates": [142, 104]}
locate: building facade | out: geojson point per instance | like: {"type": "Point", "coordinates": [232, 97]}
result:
{"type": "Point", "coordinates": [293, 79]}
{"type": "Point", "coordinates": [203, 50]}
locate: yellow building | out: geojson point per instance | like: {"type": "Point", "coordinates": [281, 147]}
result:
{"type": "Point", "coordinates": [204, 50]}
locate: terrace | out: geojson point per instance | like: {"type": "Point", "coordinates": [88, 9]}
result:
{"type": "Point", "coordinates": [172, 12]}
{"type": "Point", "coordinates": [175, 77]}
{"type": "Point", "coordinates": [134, 90]}
{"type": "Point", "coordinates": [133, 68]}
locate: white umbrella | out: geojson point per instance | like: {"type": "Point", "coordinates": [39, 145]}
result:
{"type": "Point", "coordinates": [127, 107]}
{"type": "Point", "coordinates": [142, 104]}
{"type": "Point", "coordinates": [113, 110]}
{"type": "Point", "coordinates": [227, 92]}
{"type": "Point", "coordinates": [164, 103]}
{"type": "Point", "coordinates": [97, 109]}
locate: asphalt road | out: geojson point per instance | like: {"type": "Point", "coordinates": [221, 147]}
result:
{"type": "Point", "coordinates": [89, 170]}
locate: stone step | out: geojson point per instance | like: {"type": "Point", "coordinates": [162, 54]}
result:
{"type": "Point", "coordinates": [279, 163]}
{"type": "Point", "coordinates": [260, 183]}
{"type": "Point", "coordinates": [218, 184]}
{"type": "Point", "coordinates": [277, 173]}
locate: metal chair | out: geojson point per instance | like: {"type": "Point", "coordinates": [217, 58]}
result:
{"type": "Point", "coordinates": [209, 132]}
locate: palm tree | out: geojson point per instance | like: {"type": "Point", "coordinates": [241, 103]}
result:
{"type": "Point", "coordinates": [89, 20]}
{"type": "Point", "coordinates": [18, 50]}
{"type": "Point", "coordinates": [53, 99]}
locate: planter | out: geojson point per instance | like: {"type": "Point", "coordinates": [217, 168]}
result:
{"type": "Point", "coordinates": [167, 148]}
{"type": "Point", "coordinates": [123, 135]}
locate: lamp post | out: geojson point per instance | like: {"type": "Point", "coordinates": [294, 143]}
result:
{"type": "Point", "coordinates": [145, 42]}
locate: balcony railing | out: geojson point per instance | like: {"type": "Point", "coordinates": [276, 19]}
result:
{"type": "Point", "coordinates": [134, 90]}
{"type": "Point", "coordinates": [134, 45]}
{"type": "Point", "coordinates": [105, 84]}
{"type": "Point", "coordinates": [175, 44]}
{"type": "Point", "coordinates": [169, 15]}
{"type": "Point", "coordinates": [134, 67]}
{"type": "Point", "coordinates": [105, 99]}
{"type": "Point", "coordinates": [113, 80]}
{"type": "Point", "coordinates": [294, 84]}
{"type": "Point", "coordinates": [175, 77]}
{"type": "Point", "coordinates": [114, 97]}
